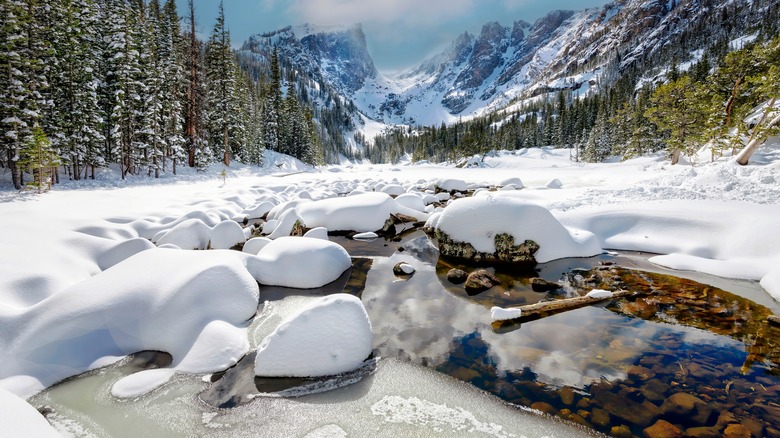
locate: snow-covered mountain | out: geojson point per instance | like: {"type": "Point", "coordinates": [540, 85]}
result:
{"type": "Point", "coordinates": [573, 50]}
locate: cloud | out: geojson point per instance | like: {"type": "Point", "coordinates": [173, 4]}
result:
{"type": "Point", "coordinates": [405, 13]}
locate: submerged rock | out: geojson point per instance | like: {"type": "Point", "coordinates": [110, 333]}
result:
{"type": "Point", "coordinates": [542, 285]}
{"type": "Point", "coordinates": [663, 429]}
{"type": "Point", "coordinates": [480, 281]}
{"type": "Point", "coordinates": [686, 409]}
{"type": "Point", "coordinates": [457, 276]}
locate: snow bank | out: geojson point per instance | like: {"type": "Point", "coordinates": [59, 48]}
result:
{"type": "Point", "coordinates": [734, 239]}
{"type": "Point", "coordinates": [330, 336]}
{"type": "Point", "coordinates": [18, 418]}
{"type": "Point", "coordinates": [191, 304]}
{"type": "Point", "coordinates": [123, 251]}
{"type": "Point", "coordinates": [477, 220]}
{"type": "Point", "coordinates": [299, 262]}
{"type": "Point", "coordinates": [364, 212]}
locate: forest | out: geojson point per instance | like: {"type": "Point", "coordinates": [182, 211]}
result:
{"type": "Point", "coordinates": [87, 84]}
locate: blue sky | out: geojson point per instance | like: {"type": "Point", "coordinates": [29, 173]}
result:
{"type": "Point", "coordinates": [400, 33]}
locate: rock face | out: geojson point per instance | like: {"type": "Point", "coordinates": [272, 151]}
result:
{"type": "Point", "coordinates": [506, 250]}
{"type": "Point", "coordinates": [480, 281]}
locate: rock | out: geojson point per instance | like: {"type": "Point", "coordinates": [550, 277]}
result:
{"type": "Point", "coordinates": [654, 390]}
{"type": "Point", "coordinates": [640, 373]}
{"type": "Point", "coordinates": [567, 396]}
{"type": "Point", "coordinates": [402, 269]}
{"type": "Point", "coordinates": [736, 431]}
{"type": "Point", "coordinates": [506, 250]}
{"type": "Point", "coordinates": [621, 431]}
{"type": "Point", "coordinates": [703, 432]}
{"type": "Point", "coordinates": [755, 426]}
{"type": "Point", "coordinates": [542, 285]}
{"type": "Point", "coordinates": [400, 218]}
{"type": "Point", "coordinates": [456, 276]}
{"type": "Point", "coordinates": [663, 429]}
{"type": "Point", "coordinates": [642, 414]}
{"type": "Point", "coordinates": [725, 418]}
{"type": "Point", "coordinates": [543, 407]}
{"type": "Point", "coordinates": [480, 281]}
{"type": "Point", "coordinates": [686, 409]}
{"type": "Point", "coordinates": [599, 417]}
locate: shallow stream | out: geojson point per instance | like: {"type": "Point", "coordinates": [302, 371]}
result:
{"type": "Point", "coordinates": [613, 368]}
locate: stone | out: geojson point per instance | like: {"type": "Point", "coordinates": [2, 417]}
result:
{"type": "Point", "coordinates": [402, 269]}
{"type": "Point", "coordinates": [621, 431]}
{"type": "Point", "coordinates": [755, 426]}
{"type": "Point", "coordinates": [542, 285]}
{"type": "Point", "coordinates": [663, 429]}
{"type": "Point", "coordinates": [735, 430]}
{"type": "Point", "coordinates": [703, 432]}
{"type": "Point", "coordinates": [686, 409]}
{"type": "Point", "coordinates": [506, 250]}
{"type": "Point", "coordinates": [543, 407]}
{"type": "Point", "coordinates": [640, 373]}
{"type": "Point", "coordinates": [456, 276]}
{"type": "Point", "coordinates": [725, 418]}
{"type": "Point", "coordinates": [567, 396]}
{"type": "Point", "coordinates": [480, 281]}
{"type": "Point", "coordinates": [599, 417]}
{"type": "Point", "coordinates": [641, 414]}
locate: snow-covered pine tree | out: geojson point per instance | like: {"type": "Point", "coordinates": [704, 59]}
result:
{"type": "Point", "coordinates": [196, 145]}
{"type": "Point", "coordinates": [40, 159]}
{"type": "Point", "coordinates": [220, 77]}
{"type": "Point", "coordinates": [171, 53]}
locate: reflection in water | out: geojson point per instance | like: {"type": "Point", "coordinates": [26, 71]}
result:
{"type": "Point", "coordinates": [605, 367]}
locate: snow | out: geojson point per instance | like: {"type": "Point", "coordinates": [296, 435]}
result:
{"type": "Point", "coordinates": [18, 418]}
{"type": "Point", "coordinates": [406, 268]}
{"type": "Point", "coordinates": [330, 336]}
{"type": "Point", "coordinates": [82, 285]}
{"type": "Point", "coordinates": [599, 294]}
{"type": "Point", "coordinates": [140, 383]}
{"type": "Point", "coordinates": [478, 220]}
{"type": "Point", "coordinates": [368, 235]}
{"type": "Point", "coordinates": [283, 261]}
{"type": "Point", "coordinates": [501, 314]}
{"type": "Point", "coordinates": [226, 235]}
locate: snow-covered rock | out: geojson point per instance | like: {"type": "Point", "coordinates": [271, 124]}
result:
{"type": "Point", "coordinates": [138, 384]}
{"type": "Point", "coordinates": [299, 262]}
{"type": "Point", "coordinates": [411, 200]}
{"type": "Point", "coordinates": [364, 212]}
{"type": "Point", "coordinates": [19, 419]}
{"type": "Point", "coordinates": [478, 220]}
{"type": "Point", "coordinates": [452, 184]}
{"type": "Point", "coordinates": [368, 235]}
{"type": "Point", "coordinates": [330, 336]}
{"type": "Point", "coordinates": [599, 294]}
{"type": "Point", "coordinates": [155, 300]}
{"type": "Point", "coordinates": [189, 234]}
{"type": "Point", "coordinates": [515, 181]}
{"type": "Point", "coordinates": [317, 233]}
{"type": "Point", "coordinates": [226, 235]}
{"type": "Point", "coordinates": [255, 244]}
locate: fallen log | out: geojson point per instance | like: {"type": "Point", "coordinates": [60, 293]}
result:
{"type": "Point", "coordinates": [773, 319]}
{"type": "Point", "coordinates": [532, 312]}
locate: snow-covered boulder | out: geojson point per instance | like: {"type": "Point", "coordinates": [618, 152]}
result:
{"type": "Point", "coordinates": [189, 234]}
{"type": "Point", "coordinates": [255, 244]}
{"type": "Point", "coordinates": [285, 224]}
{"type": "Point", "coordinates": [317, 233]}
{"type": "Point", "coordinates": [18, 418]}
{"type": "Point", "coordinates": [364, 212]}
{"type": "Point", "coordinates": [191, 304]}
{"type": "Point", "coordinates": [411, 200]}
{"type": "Point", "coordinates": [393, 189]}
{"type": "Point", "coordinates": [510, 230]}
{"type": "Point", "coordinates": [226, 235]}
{"type": "Point", "coordinates": [514, 181]}
{"type": "Point", "coordinates": [554, 184]}
{"type": "Point", "coordinates": [258, 210]}
{"type": "Point", "coordinates": [330, 336]}
{"type": "Point", "coordinates": [450, 185]}
{"type": "Point", "coordinates": [299, 262]}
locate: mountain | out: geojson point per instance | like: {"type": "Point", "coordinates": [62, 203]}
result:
{"type": "Point", "coordinates": [573, 50]}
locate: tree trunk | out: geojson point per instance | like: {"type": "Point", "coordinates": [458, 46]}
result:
{"type": "Point", "coordinates": [192, 90]}
{"type": "Point", "coordinates": [16, 172]}
{"type": "Point", "coordinates": [753, 145]}
{"type": "Point", "coordinates": [675, 157]}
{"type": "Point", "coordinates": [227, 149]}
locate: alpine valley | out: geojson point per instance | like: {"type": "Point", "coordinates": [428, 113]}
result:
{"type": "Point", "coordinates": [504, 68]}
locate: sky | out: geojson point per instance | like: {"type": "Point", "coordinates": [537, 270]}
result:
{"type": "Point", "coordinates": [399, 33]}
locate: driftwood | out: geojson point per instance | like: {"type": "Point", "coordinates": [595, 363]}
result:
{"type": "Point", "coordinates": [536, 311]}
{"type": "Point", "coordinates": [773, 319]}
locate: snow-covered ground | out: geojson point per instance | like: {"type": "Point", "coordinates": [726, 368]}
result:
{"type": "Point", "coordinates": [81, 284]}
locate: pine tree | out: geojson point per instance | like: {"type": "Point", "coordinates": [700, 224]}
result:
{"type": "Point", "coordinates": [40, 159]}
{"type": "Point", "coordinates": [171, 53]}
{"type": "Point", "coordinates": [197, 147]}
{"type": "Point", "coordinates": [678, 108]}
{"type": "Point", "coordinates": [220, 76]}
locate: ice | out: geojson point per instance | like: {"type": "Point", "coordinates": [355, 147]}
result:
{"type": "Point", "coordinates": [330, 336]}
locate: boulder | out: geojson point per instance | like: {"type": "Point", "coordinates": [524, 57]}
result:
{"type": "Point", "coordinates": [456, 276]}
{"type": "Point", "coordinates": [402, 269]}
{"type": "Point", "coordinates": [480, 281]}
{"type": "Point", "coordinates": [686, 409]}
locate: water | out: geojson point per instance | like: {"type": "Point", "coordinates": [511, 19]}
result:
{"type": "Point", "coordinates": [614, 368]}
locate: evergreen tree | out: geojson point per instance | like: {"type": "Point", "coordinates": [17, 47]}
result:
{"type": "Point", "coordinates": [197, 148]}
{"type": "Point", "coordinates": [678, 108]}
{"type": "Point", "coordinates": [40, 159]}
{"type": "Point", "coordinates": [220, 77]}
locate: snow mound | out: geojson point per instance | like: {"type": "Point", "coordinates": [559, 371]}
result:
{"type": "Point", "coordinates": [501, 314]}
{"type": "Point", "coordinates": [299, 262]}
{"type": "Point", "coordinates": [514, 181]}
{"type": "Point", "coordinates": [363, 212]}
{"type": "Point", "coordinates": [554, 184]}
{"type": "Point", "coordinates": [226, 235]}
{"type": "Point", "coordinates": [411, 200]}
{"type": "Point", "coordinates": [368, 235]}
{"type": "Point", "coordinates": [138, 384]}
{"type": "Point", "coordinates": [123, 251]}
{"type": "Point", "coordinates": [18, 418]}
{"type": "Point", "coordinates": [259, 210]}
{"type": "Point", "coordinates": [317, 233]}
{"type": "Point", "coordinates": [450, 184]}
{"type": "Point", "coordinates": [189, 234]}
{"type": "Point", "coordinates": [478, 220]}
{"type": "Point", "coordinates": [330, 336]}
{"type": "Point", "coordinates": [155, 300]}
